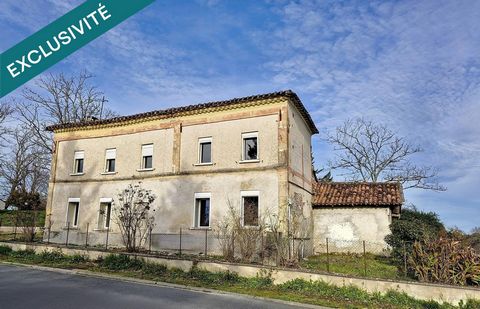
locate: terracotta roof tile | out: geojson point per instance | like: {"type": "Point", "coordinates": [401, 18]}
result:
{"type": "Point", "coordinates": [170, 112]}
{"type": "Point", "coordinates": [357, 194]}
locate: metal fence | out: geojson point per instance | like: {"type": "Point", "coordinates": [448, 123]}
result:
{"type": "Point", "coordinates": [359, 257]}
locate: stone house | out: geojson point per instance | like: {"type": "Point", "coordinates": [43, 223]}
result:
{"type": "Point", "coordinates": [252, 152]}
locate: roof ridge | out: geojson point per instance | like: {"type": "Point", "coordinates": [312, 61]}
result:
{"type": "Point", "coordinates": [172, 110]}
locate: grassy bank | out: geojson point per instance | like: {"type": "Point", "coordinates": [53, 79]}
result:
{"type": "Point", "coordinates": [7, 217]}
{"type": "Point", "coordinates": [317, 293]}
{"type": "Point", "coordinates": [376, 266]}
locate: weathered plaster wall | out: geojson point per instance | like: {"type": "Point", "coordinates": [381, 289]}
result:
{"type": "Point", "coordinates": [347, 228]}
{"type": "Point", "coordinates": [174, 205]}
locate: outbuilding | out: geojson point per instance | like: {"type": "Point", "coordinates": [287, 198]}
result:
{"type": "Point", "coordinates": [349, 215]}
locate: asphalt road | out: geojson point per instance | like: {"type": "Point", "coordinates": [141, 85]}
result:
{"type": "Point", "coordinates": [22, 287]}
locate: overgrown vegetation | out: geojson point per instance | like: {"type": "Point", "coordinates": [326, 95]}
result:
{"type": "Point", "coordinates": [311, 292]}
{"type": "Point", "coordinates": [426, 251]}
{"type": "Point", "coordinates": [8, 217]}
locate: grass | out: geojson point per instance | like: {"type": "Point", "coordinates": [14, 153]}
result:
{"type": "Point", "coordinates": [318, 293]}
{"type": "Point", "coordinates": [7, 217]}
{"type": "Point", "coordinates": [354, 264]}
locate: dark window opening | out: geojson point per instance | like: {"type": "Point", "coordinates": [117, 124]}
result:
{"type": "Point", "coordinates": [78, 166]}
{"type": "Point", "coordinates": [147, 162]}
{"type": "Point", "coordinates": [206, 152]}
{"type": "Point", "coordinates": [250, 148]}
{"type": "Point", "coordinates": [250, 210]}
{"type": "Point", "coordinates": [110, 165]}
{"type": "Point", "coordinates": [203, 212]}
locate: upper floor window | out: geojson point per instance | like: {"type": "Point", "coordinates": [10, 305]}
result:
{"type": "Point", "coordinates": [110, 156]}
{"type": "Point", "coordinates": [147, 156]}
{"type": "Point", "coordinates": [78, 164]}
{"type": "Point", "coordinates": [250, 146]}
{"type": "Point", "coordinates": [205, 150]}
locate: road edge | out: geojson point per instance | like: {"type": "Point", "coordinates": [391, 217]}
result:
{"type": "Point", "coordinates": [91, 274]}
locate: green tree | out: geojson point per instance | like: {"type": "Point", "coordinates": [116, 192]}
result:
{"type": "Point", "coordinates": [413, 225]}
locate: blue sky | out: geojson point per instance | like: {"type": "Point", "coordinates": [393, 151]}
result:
{"type": "Point", "coordinates": [414, 65]}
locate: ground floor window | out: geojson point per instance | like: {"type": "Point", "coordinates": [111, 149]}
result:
{"type": "Point", "coordinates": [104, 216]}
{"type": "Point", "coordinates": [202, 210]}
{"type": "Point", "coordinates": [250, 202]}
{"type": "Point", "coordinates": [72, 212]}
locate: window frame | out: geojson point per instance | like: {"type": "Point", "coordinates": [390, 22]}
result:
{"type": "Point", "coordinates": [101, 217]}
{"type": "Point", "coordinates": [107, 159]}
{"type": "Point", "coordinates": [77, 156]}
{"type": "Point", "coordinates": [245, 136]}
{"type": "Point", "coordinates": [143, 156]}
{"type": "Point", "coordinates": [244, 194]}
{"type": "Point", "coordinates": [195, 220]}
{"type": "Point", "coordinates": [201, 141]}
{"type": "Point", "coordinates": [76, 215]}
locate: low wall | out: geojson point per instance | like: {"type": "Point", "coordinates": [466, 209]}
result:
{"type": "Point", "coordinates": [437, 292]}
{"type": "Point", "coordinates": [184, 265]}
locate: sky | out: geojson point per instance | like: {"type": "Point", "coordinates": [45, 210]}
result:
{"type": "Point", "coordinates": [412, 65]}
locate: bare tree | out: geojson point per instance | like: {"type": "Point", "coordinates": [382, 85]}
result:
{"type": "Point", "coordinates": [60, 99]}
{"type": "Point", "coordinates": [56, 99]}
{"type": "Point", "coordinates": [132, 211]}
{"type": "Point", "coordinates": [371, 152]}
{"type": "Point", "coordinates": [21, 168]}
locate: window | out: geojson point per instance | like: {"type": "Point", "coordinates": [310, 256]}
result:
{"type": "Point", "coordinates": [110, 155]}
{"type": "Point", "coordinates": [78, 165]}
{"type": "Point", "coordinates": [105, 213]}
{"type": "Point", "coordinates": [147, 156]}
{"type": "Point", "coordinates": [202, 210]}
{"type": "Point", "coordinates": [205, 150]}
{"type": "Point", "coordinates": [250, 208]}
{"type": "Point", "coordinates": [72, 212]}
{"type": "Point", "coordinates": [250, 146]}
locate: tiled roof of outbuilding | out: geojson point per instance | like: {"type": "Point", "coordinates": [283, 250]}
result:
{"type": "Point", "coordinates": [171, 112]}
{"type": "Point", "coordinates": [330, 194]}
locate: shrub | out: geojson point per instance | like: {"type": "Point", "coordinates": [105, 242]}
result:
{"type": "Point", "coordinates": [263, 279]}
{"type": "Point", "coordinates": [78, 258]}
{"type": "Point", "coordinates": [121, 262]}
{"type": "Point", "coordinates": [154, 269]}
{"type": "Point", "coordinates": [445, 260]}
{"type": "Point", "coordinates": [23, 254]}
{"type": "Point", "coordinates": [53, 256]}
{"type": "Point", "coordinates": [226, 277]}
{"type": "Point", "coordinates": [4, 250]}
{"type": "Point", "coordinates": [413, 225]}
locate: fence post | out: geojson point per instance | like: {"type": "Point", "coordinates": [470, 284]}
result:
{"type": "Point", "coordinates": [86, 237]}
{"type": "Point", "coordinates": [49, 228]}
{"type": "Point", "coordinates": [328, 257]}
{"type": "Point", "coordinates": [150, 240]}
{"type": "Point", "coordinates": [15, 231]}
{"type": "Point", "coordinates": [180, 243]}
{"type": "Point", "coordinates": [262, 250]}
{"type": "Point", "coordinates": [68, 232]}
{"type": "Point", "coordinates": [206, 241]}
{"type": "Point", "coordinates": [106, 240]}
{"type": "Point", "coordinates": [364, 259]}
{"type": "Point", "coordinates": [405, 258]}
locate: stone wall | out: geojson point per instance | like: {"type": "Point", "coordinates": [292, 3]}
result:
{"type": "Point", "coordinates": [347, 228]}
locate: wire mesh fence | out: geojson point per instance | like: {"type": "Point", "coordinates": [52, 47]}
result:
{"type": "Point", "coordinates": [358, 257]}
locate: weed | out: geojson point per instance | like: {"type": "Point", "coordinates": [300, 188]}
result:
{"type": "Point", "coordinates": [121, 262]}
{"type": "Point", "coordinates": [4, 250]}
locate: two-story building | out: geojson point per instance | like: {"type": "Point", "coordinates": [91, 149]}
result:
{"type": "Point", "coordinates": [252, 152]}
